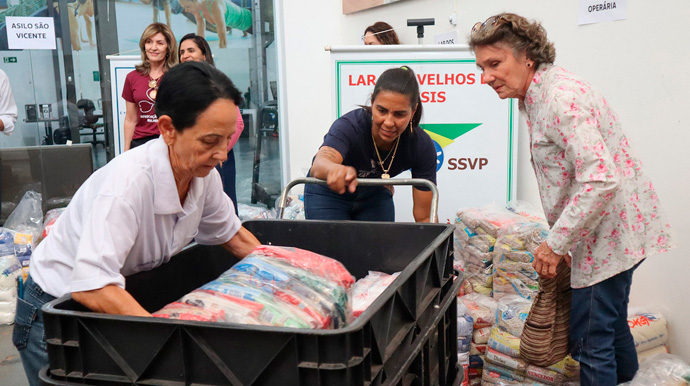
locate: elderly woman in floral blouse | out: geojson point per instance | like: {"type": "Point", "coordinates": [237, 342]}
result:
{"type": "Point", "coordinates": [600, 205]}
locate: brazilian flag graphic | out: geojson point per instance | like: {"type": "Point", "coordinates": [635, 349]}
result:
{"type": "Point", "coordinates": [443, 134]}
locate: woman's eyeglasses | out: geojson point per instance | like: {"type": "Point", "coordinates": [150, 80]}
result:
{"type": "Point", "coordinates": [490, 22]}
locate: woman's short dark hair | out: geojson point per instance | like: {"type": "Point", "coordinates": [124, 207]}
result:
{"type": "Point", "coordinates": [383, 32]}
{"type": "Point", "coordinates": [202, 44]}
{"type": "Point", "coordinates": [188, 89]}
{"type": "Point", "coordinates": [518, 33]}
{"type": "Point", "coordinates": [401, 80]}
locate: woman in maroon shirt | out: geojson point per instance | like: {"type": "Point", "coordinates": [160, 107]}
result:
{"type": "Point", "coordinates": [158, 54]}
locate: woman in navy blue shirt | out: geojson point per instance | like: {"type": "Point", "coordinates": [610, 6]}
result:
{"type": "Point", "coordinates": [380, 141]}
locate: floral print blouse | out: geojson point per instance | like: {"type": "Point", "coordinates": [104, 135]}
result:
{"type": "Point", "coordinates": [600, 205]}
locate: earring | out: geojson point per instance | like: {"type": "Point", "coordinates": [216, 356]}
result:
{"type": "Point", "coordinates": [410, 125]}
{"type": "Point", "coordinates": [529, 64]}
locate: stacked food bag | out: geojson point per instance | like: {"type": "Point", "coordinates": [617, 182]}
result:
{"type": "Point", "coordinates": [479, 311]}
{"type": "Point", "coordinates": [649, 332]}
{"type": "Point", "coordinates": [275, 286]}
{"type": "Point", "coordinates": [502, 363]}
{"type": "Point", "coordinates": [465, 327]}
{"type": "Point", "coordinates": [10, 270]}
{"type": "Point", "coordinates": [513, 254]}
{"type": "Point", "coordinates": [476, 230]}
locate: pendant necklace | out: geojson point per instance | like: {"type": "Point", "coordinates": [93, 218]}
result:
{"type": "Point", "coordinates": [153, 86]}
{"type": "Point", "coordinates": [385, 174]}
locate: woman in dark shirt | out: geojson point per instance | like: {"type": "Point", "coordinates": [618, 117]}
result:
{"type": "Point", "coordinates": [380, 141]}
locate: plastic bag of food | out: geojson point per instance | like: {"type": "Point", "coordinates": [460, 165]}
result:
{"type": "Point", "coordinates": [311, 308]}
{"type": "Point", "coordinates": [544, 375]}
{"type": "Point", "coordinates": [294, 210]}
{"type": "Point", "coordinates": [276, 312]}
{"type": "Point", "coordinates": [481, 335]}
{"type": "Point", "coordinates": [663, 370]}
{"type": "Point", "coordinates": [648, 329]}
{"type": "Point", "coordinates": [527, 210]}
{"type": "Point", "coordinates": [251, 212]}
{"type": "Point", "coordinates": [514, 278]}
{"type": "Point", "coordinates": [520, 236]}
{"type": "Point", "coordinates": [26, 221]}
{"type": "Point", "coordinates": [326, 304]}
{"type": "Point", "coordinates": [286, 286]}
{"type": "Point", "coordinates": [368, 289]}
{"type": "Point", "coordinates": [313, 262]}
{"type": "Point", "coordinates": [465, 322]}
{"type": "Point", "coordinates": [50, 219]}
{"type": "Point", "coordinates": [28, 216]}
{"type": "Point", "coordinates": [490, 218]}
{"type": "Point", "coordinates": [506, 361]}
{"type": "Point", "coordinates": [504, 342]}
{"type": "Point", "coordinates": [481, 307]}
{"type": "Point", "coordinates": [494, 373]}
{"type": "Point", "coordinates": [6, 242]}
{"type": "Point", "coordinates": [183, 311]}
{"type": "Point", "coordinates": [10, 269]}
{"type": "Point", "coordinates": [336, 298]}
{"type": "Point", "coordinates": [511, 314]}
{"type": "Point", "coordinates": [234, 310]}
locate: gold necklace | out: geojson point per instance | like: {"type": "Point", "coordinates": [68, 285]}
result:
{"type": "Point", "coordinates": [153, 87]}
{"type": "Point", "coordinates": [385, 174]}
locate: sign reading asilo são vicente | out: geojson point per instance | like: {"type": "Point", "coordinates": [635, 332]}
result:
{"type": "Point", "coordinates": [474, 131]}
{"type": "Point", "coordinates": [32, 33]}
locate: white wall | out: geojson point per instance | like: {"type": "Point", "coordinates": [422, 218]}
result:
{"type": "Point", "coordinates": [640, 64]}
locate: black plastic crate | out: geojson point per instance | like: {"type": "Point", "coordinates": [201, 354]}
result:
{"type": "Point", "coordinates": [406, 337]}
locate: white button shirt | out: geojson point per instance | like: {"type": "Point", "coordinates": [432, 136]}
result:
{"type": "Point", "coordinates": [127, 218]}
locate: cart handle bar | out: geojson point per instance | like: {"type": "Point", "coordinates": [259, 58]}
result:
{"type": "Point", "coordinates": [433, 217]}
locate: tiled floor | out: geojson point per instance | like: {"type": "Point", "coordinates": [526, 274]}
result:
{"type": "Point", "coordinates": [11, 370]}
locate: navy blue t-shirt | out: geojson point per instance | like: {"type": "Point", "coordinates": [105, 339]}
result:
{"type": "Point", "coordinates": [350, 135]}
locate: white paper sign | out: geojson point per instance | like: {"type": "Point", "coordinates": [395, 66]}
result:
{"type": "Point", "coordinates": [597, 11]}
{"type": "Point", "coordinates": [32, 33]}
{"type": "Point", "coordinates": [447, 38]}
{"type": "Point", "coordinates": [473, 130]}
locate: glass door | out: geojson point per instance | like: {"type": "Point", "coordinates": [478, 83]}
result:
{"type": "Point", "coordinates": [44, 153]}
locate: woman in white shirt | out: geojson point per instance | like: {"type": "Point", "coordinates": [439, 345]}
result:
{"type": "Point", "coordinates": [140, 209]}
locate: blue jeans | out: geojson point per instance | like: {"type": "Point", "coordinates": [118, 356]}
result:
{"type": "Point", "coordinates": [367, 203]}
{"type": "Point", "coordinates": [228, 174]}
{"type": "Point", "coordinates": [600, 338]}
{"type": "Point", "coordinates": [28, 335]}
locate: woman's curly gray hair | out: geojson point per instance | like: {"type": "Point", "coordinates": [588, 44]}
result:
{"type": "Point", "coordinates": [518, 33]}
